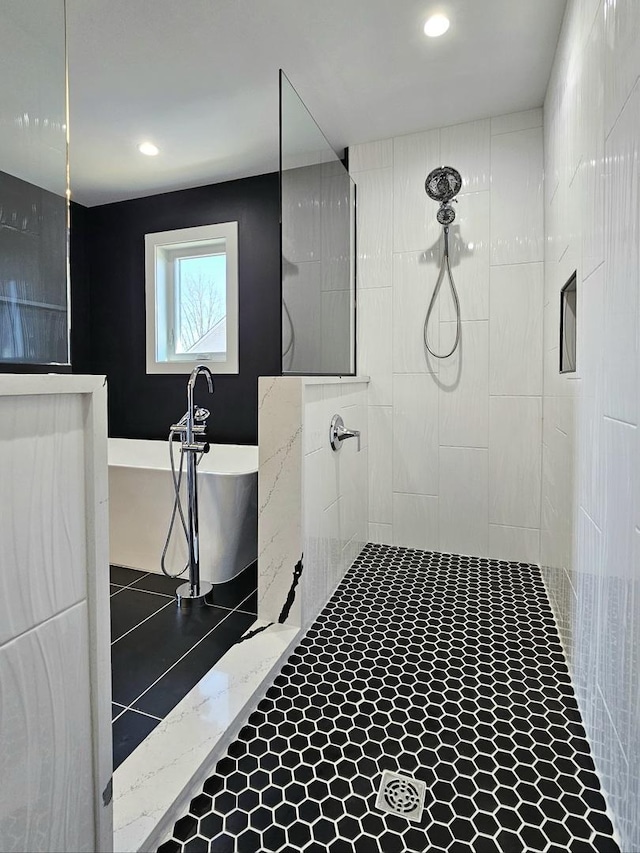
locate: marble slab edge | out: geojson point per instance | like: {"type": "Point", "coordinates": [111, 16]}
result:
{"type": "Point", "coordinates": [157, 781]}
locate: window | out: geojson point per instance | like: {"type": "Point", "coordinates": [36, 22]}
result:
{"type": "Point", "coordinates": [192, 299]}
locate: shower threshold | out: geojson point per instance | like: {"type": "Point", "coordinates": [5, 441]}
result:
{"type": "Point", "coordinates": [194, 680]}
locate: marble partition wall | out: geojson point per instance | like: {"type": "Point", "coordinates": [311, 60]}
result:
{"type": "Point", "coordinates": [312, 501]}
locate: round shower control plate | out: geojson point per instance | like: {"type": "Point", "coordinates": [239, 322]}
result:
{"type": "Point", "coordinates": [186, 600]}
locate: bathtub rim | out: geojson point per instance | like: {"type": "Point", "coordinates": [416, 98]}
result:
{"type": "Point", "coordinates": [146, 466]}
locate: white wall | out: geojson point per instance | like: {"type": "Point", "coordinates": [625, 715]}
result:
{"type": "Point", "coordinates": [312, 501]}
{"type": "Point", "coordinates": [55, 684]}
{"type": "Point", "coordinates": [591, 477]}
{"type": "Point", "coordinates": [317, 284]}
{"type": "Point", "coordinates": [455, 445]}
{"type": "Point", "coordinates": [334, 489]}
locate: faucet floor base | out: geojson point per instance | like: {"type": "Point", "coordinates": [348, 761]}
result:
{"type": "Point", "coordinates": [186, 600]}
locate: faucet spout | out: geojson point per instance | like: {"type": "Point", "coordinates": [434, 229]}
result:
{"type": "Point", "coordinates": [201, 368]}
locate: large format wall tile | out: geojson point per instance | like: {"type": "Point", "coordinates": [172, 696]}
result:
{"type": "Point", "coordinates": [42, 461]}
{"type": "Point", "coordinates": [414, 277]}
{"type": "Point", "coordinates": [516, 121]}
{"type": "Point", "coordinates": [593, 163]}
{"type": "Point", "coordinates": [415, 521]}
{"type": "Point", "coordinates": [515, 461]}
{"type": "Point", "coordinates": [445, 403]}
{"type": "Point", "coordinates": [515, 360]}
{"type": "Point", "coordinates": [592, 225]}
{"type": "Point", "coordinates": [375, 227]}
{"type": "Point", "coordinates": [622, 270]}
{"type": "Point", "coordinates": [375, 342]}
{"type": "Point", "coordinates": [469, 245]}
{"type": "Point", "coordinates": [414, 214]}
{"type": "Point", "coordinates": [371, 155]}
{"type": "Point", "coordinates": [463, 386]}
{"type": "Point", "coordinates": [464, 501]}
{"type": "Point", "coordinates": [590, 459]}
{"type": "Point", "coordinates": [622, 57]}
{"type": "Point", "coordinates": [380, 463]}
{"type": "Point", "coordinates": [415, 434]}
{"type": "Point", "coordinates": [517, 233]}
{"type": "Point", "coordinates": [514, 543]}
{"type": "Point", "coordinates": [467, 147]}
{"type": "Point", "coordinates": [45, 738]}
{"type": "Point", "coordinates": [618, 673]}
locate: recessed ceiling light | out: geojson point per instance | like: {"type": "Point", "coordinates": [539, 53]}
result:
{"type": "Point", "coordinates": [148, 148]}
{"type": "Point", "coordinates": [437, 25]}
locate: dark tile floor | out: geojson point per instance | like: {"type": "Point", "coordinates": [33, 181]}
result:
{"type": "Point", "coordinates": [446, 670]}
{"type": "Point", "coordinates": [158, 652]}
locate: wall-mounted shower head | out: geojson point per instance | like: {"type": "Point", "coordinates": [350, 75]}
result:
{"type": "Point", "coordinates": [443, 184]}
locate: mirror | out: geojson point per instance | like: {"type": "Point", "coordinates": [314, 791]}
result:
{"type": "Point", "coordinates": [34, 326]}
{"type": "Point", "coordinates": [318, 246]}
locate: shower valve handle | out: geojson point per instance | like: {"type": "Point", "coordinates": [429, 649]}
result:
{"type": "Point", "coordinates": [339, 433]}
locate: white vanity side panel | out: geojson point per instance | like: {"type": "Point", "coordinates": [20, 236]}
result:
{"type": "Point", "coordinates": [45, 737]}
{"type": "Point", "coordinates": [55, 694]}
{"type": "Point", "coordinates": [42, 523]}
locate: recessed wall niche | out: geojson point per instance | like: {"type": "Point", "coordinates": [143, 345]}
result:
{"type": "Point", "coordinates": [568, 296]}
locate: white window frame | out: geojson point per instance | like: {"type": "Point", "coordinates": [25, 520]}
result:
{"type": "Point", "coordinates": [161, 251]}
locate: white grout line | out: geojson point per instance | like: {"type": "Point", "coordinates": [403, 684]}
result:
{"type": "Point", "coordinates": [141, 623]}
{"type": "Point", "coordinates": [187, 652]}
{"type": "Point", "coordinates": [144, 713]}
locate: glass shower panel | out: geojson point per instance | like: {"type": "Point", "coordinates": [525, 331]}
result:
{"type": "Point", "coordinates": [34, 328]}
{"type": "Point", "coordinates": [318, 246]}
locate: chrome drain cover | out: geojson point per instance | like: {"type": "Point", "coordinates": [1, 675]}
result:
{"type": "Point", "coordinates": [402, 796]}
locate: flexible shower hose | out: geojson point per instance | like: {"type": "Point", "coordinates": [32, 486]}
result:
{"type": "Point", "coordinates": [444, 267]}
{"type": "Point", "coordinates": [177, 506]}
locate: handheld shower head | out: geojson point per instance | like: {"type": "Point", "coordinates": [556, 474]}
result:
{"type": "Point", "coordinates": [443, 184]}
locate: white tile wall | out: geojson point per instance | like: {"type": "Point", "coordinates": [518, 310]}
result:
{"type": "Point", "coordinates": [415, 521]}
{"type": "Point", "coordinates": [415, 434]}
{"type": "Point", "coordinates": [469, 244]}
{"type": "Point", "coordinates": [414, 225]}
{"type": "Point", "coordinates": [430, 431]}
{"type": "Point", "coordinates": [515, 361]}
{"type": "Point", "coordinates": [375, 343]}
{"type": "Point", "coordinates": [591, 468]}
{"type": "Point", "coordinates": [375, 240]}
{"type": "Point", "coordinates": [467, 147]}
{"type": "Point", "coordinates": [463, 398]}
{"type": "Point", "coordinates": [515, 456]}
{"type": "Point", "coordinates": [464, 500]}
{"type": "Point", "coordinates": [313, 502]}
{"type": "Point", "coordinates": [517, 231]}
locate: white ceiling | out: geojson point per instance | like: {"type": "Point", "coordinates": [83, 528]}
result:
{"type": "Point", "coordinates": [200, 79]}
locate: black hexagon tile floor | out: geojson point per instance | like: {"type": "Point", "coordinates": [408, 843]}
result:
{"type": "Point", "coordinates": [446, 670]}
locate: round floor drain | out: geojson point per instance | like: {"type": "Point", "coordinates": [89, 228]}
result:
{"type": "Point", "coordinates": [401, 795]}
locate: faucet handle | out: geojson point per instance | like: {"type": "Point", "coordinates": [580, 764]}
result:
{"type": "Point", "coordinates": [339, 433]}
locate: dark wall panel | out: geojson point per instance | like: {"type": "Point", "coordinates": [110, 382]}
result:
{"type": "Point", "coordinates": [107, 263]}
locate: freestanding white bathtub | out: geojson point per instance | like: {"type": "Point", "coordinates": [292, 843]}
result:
{"type": "Point", "coordinates": [141, 499]}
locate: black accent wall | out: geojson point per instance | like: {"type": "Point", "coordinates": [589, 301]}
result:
{"type": "Point", "coordinates": [108, 305]}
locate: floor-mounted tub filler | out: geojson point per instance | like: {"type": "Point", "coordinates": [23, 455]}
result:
{"type": "Point", "coordinates": [150, 780]}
